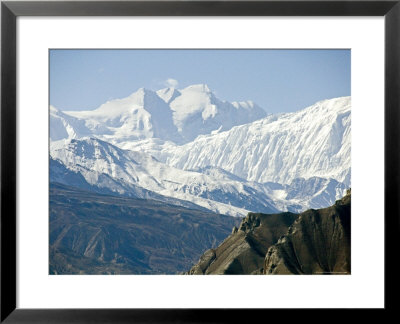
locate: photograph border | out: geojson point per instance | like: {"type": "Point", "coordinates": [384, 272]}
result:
{"type": "Point", "coordinates": [10, 10]}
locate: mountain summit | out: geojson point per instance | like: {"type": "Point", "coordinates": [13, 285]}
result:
{"type": "Point", "coordinates": [197, 111]}
{"type": "Point", "coordinates": [141, 115]}
{"type": "Point", "coordinates": [168, 114]}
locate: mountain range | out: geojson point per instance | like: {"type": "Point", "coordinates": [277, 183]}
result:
{"type": "Point", "coordinates": [189, 148]}
{"type": "Point", "coordinates": [168, 114]}
{"type": "Point", "coordinates": [104, 166]}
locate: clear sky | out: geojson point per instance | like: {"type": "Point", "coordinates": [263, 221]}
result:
{"type": "Point", "coordinates": [277, 80]}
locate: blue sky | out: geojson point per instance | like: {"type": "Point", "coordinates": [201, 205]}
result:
{"type": "Point", "coordinates": [277, 80]}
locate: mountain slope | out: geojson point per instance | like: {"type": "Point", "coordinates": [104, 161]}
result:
{"type": "Point", "coordinates": [105, 184]}
{"type": "Point", "coordinates": [314, 192]}
{"type": "Point", "coordinates": [289, 162]}
{"type": "Point", "coordinates": [63, 126]}
{"type": "Point", "coordinates": [141, 115]}
{"type": "Point", "coordinates": [196, 111]}
{"type": "Point", "coordinates": [243, 252]}
{"type": "Point", "coordinates": [318, 242]}
{"type": "Point", "coordinates": [101, 234]}
{"type": "Point", "coordinates": [107, 166]}
{"type": "Point", "coordinates": [313, 242]}
{"type": "Point", "coordinates": [314, 142]}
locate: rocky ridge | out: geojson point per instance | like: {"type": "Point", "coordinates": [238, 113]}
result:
{"type": "Point", "coordinates": [313, 242]}
{"type": "Point", "coordinates": [318, 242]}
{"type": "Point", "coordinates": [243, 252]}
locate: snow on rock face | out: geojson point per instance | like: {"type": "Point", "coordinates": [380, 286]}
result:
{"type": "Point", "coordinates": [168, 94]}
{"type": "Point", "coordinates": [236, 159]}
{"type": "Point", "coordinates": [168, 114]}
{"type": "Point", "coordinates": [197, 111]}
{"type": "Point", "coordinates": [63, 126]}
{"type": "Point", "coordinates": [117, 170]}
{"type": "Point", "coordinates": [324, 192]}
{"type": "Point", "coordinates": [93, 158]}
{"type": "Point", "coordinates": [141, 115]}
{"type": "Point", "coordinates": [314, 142]}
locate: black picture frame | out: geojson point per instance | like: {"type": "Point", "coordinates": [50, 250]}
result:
{"type": "Point", "coordinates": [10, 10]}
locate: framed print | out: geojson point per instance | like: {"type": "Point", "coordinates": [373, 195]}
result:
{"type": "Point", "coordinates": [159, 168]}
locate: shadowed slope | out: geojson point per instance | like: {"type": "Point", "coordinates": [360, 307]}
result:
{"type": "Point", "coordinates": [317, 243]}
{"type": "Point", "coordinates": [243, 252]}
{"type": "Point", "coordinates": [313, 242]}
{"type": "Point", "coordinates": [100, 234]}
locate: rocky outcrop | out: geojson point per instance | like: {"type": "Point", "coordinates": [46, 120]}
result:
{"type": "Point", "coordinates": [313, 242]}
{"type": "Point", "coordinates": [243, 252]}
{"type": "Point", "coordinates": [318, 242]}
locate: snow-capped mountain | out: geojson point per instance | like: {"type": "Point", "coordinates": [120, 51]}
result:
{"type": "Point", "coordinates": [141, 115]}
{"type": "Point", "coordinates": [104, 165]}
{"type": "Point", "coordinates": [105, 184]}
{"type": "Point", "coordinates": [168, 114]}
{"type": "Point", "coordinates": [314, 142]}
{"type": "Point", "coordinates": [65, 126]}
{"type": "Point", "coordinates": [315, 192]}
{"type": "Point", "coordinates": [196, 111]}
{"type": "Point", "coordinates": [191, 149]}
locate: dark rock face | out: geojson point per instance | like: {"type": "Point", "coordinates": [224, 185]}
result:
{"type": "Point", "coordinates": [91, 233]}
{"type": "Point", "coordinates": [318, 242]}
{"type": "Point", "coordinates": [243, 251]}
{"type": "Point", "coordinates": [313, 242]}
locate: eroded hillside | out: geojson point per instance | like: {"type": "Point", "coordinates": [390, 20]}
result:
{"type": "Point", "coordinates": [313, 242]}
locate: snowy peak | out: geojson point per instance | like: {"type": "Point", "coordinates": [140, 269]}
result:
{"type": "Point", "coordinates": [203, 88]}
{"type": "Point", "coordinates": [168, 114]}
{"type": "Point", "coordinates": [168, 94]}
{"type": "Point", "coordinates": [140, 99]}
{"type": "Point", "coordinates": [197, 111]}
{"type": "Point", "coordinates": [193, 100]}
{"type": "Point", "coordinates": [143, 97]}
{"type": "Point", "coordinates": [141, 115]}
